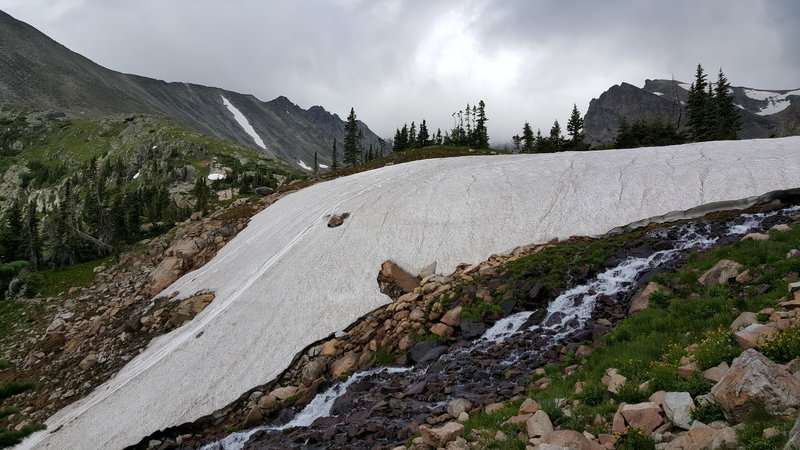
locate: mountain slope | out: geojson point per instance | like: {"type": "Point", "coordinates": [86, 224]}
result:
{"type": "Point", "coordinates": [37, 72]}
{"type": "Point", "coordinates": [288, 280]}
{"type": "Point", "coordinates": [763, 113]}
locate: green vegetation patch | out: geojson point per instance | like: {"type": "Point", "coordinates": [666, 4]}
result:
{"type": "Point", "coordinates": [52, 282]}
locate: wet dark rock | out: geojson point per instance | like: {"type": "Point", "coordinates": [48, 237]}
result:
{"type": "Point", "coordinates": [471, 329]}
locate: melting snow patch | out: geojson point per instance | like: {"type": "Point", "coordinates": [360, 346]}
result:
{"type": "Point", "coordinates": [216, 176]}
{"type": "Point", "coordinates": [323, 166]}
{"type": "Point", "coordinates": [661, 94]}
{"type": "Point", "coordinates": [243, 122]}
{"type": "Point", "coordinates": [303, 165]}
{"type": "Point", "coordinates": [137, 175]}
{"type": "Point", "coordinates": [775, 102]}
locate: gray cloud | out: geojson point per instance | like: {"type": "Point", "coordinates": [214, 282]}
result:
{"type": "Point", "coordinates": [396, 61]}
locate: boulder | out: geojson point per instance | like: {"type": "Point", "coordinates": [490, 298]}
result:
{"type": "Point", "coordinates": [190, 307]}
{"type": "Point", "coordinates": [613, 380]}
{"type": "Point", "coordinates": [756, 237]}
{"type": "Point", "coordinates": [569, 439]}
{"type": "Point", "coordinates": [702, 436]}
{"type": "Point", "coordinates": [426, 351]}
{"type": "Point", "coordinates": [442, 330]}
{"type": "Point", "coordinates": [457, 406]}
{"type": "Point", "coordinates": [427, 271]}
{"type": "Point", "coordinates": [641, 300]}
{"type": "Point", "coordinates": [165, 273]}
{"type": "Point", "coordinates": [721, 273]}
{"type": "Point", "coordinates": [344, 364]}
{"type": "Point", "coordinates": [687, 371]}
{"type": "Point", "coordinates": [538, 424]}
{"type": "Point", "coordinates": [452, 317]}
{"type": "Point", "coordinates": [330, 347]}
{"type": "Point", "coordinates": [752, 381]}
{"type": "Point", "coordinates": [440, 436]}
{"type": "Point", "coordinates": [677, 407]}
{"type": "Point", "coordinates": [746, 318]}
{"type": "Point", "coordinates": [645, 416]}
{"type": "Point", "coordinates": [529, 406]}
{"type": "Point", "coordinates": [392, 273]}
{"type": "Point", "coordinates": [715, 374]}
{"type": "Point", "coordinates": [313, 370]}
{"type": "Point", "coordinates": [264, 191]}
{"type": "Point", "coordinates": [753, 334]}
{"type": "Point", "coordinates": [337, 219]}
{"type": "Point", "coordinates": [253, 418]}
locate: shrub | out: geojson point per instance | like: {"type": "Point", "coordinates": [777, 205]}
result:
{"type": "Point", "coordinates": [707, 413]}
{"type": "Point", "coordinates": [634, 439]}
{"type": "Point", "coordinates": [593, 394]}
{"type": "Point", "coordinates": [630, 393]}
{"type": "Point", "coordinates": [719, 345]}
{"type": "Point", "coordinates": [782, 346]}
{"type": "Point", "coordinates": [659, 299]}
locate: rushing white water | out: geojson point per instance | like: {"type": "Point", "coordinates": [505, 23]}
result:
{"type": "Point", "coordinates": [320, 406]}
{"type": "Point", "coordinates": [505, 327]}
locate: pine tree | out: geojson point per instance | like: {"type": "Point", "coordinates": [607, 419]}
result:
{"type": "Point", "coordinates": [423, 136]}
{"type": "Point", "coordinates": [411, 139]}
{"type": "Point", "coordinates": [11, 241]}
{"type": "Point", "coordinates": [527, 138]}
{"type": "Point", "coordinates": [334, 157]}
{"type": "Point", "coordinates": [556, 140]}
{"type": "Point", "coordinates": [727, 114]}
{"type": "Point", "coordinates": [351, 150]}
{"type": "Point", "coordinates": [315, 168]}
{"type": "Point", "coordinates": [517, 140]}
{"type": "Point", "coordinates": [33, 244]}
{"type": "Point", "coordinates": [481, 133]}
{"type": "Point", "coordinates": [698, 107]}
{"type": "Point", "coordinates": [575, 131]}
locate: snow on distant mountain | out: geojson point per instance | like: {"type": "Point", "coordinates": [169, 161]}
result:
{"type": "Point", "coordinates": [776, 101]}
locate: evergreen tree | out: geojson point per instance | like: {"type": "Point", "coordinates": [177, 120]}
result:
{"type": "Point", "coordinates": [556, 139]}
{"type": "Point", "coordinates": [400, 139]}
{"type": "Point", "coordinates": [411, 139]}
{"type": "Point", "coordinates": [315, 168]}
{"type": "Point", "coordinates": [517, 140]}
{"type": "Point", "coordinates": [727, 114]}
{"type": "Point", "coordinates": [577, 140]}
{"type": "Point", "coordinates": [202, 193]}
{"type": "Point", "coordinates": [539, 145]}
{"type": "Point", "coordinates": [481, 133]}
{"type": "Point", "coordinates": [527, 138]}
{"type": "Point", "coordinates": [32, 240]}
{"type": "Point", "coordinates": [423, 136]}
{"type": "Point", "coordinates": [11, 239]}
{"type": "Point", "coordinates": [351, 150]}
{"type": "Point", "coordinates": [699, 108]}
{"type": "Point", "coordinates": [334, 157]}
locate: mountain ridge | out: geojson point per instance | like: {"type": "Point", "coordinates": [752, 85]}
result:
{"type": "Point", "coordinates": [777, 114]}
{"type": "Point", "coordinates": [41, 73]}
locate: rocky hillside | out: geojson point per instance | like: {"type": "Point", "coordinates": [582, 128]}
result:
{"type": "Point", "coordinates": [763, 113]}
{"type": "Point", "coordinates": [37, 72]}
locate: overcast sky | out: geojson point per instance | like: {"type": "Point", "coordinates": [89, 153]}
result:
{"type": "Point", "coordinates": [399, 61]}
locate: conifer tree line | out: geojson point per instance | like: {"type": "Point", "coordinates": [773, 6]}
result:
{"type": "Point", "coordinates": [101, 207]}
{"type": "Point", "coordinates": [354, 152]}
{"type": "Point", "coordinates": [555, 141]}
{"type": "Point", "coordinates": [711, 115]}
{"type": "Point", "coordinates": [469, 130]}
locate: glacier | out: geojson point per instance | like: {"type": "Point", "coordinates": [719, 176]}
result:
{"type": "Point", "coordinates": [287, 280]}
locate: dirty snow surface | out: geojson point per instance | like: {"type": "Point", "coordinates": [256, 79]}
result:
{"type": "Point", "coordinates": [288, 280]}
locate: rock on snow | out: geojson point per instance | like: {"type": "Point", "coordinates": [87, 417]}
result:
{"type": "Point", "coordinates": [288, 280]}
